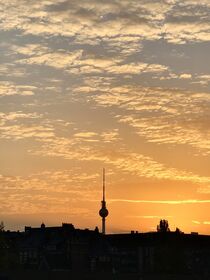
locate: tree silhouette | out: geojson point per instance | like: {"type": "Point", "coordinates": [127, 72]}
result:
{"type": "Point", "coordinates": [1, 226]}
{"type": "Point", "coordinates": [163, 226]}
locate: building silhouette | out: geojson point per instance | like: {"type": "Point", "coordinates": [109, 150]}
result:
{"type": "Point", "coordinates": [64, 252]}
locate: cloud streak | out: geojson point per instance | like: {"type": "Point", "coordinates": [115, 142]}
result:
{"type": "Point", "coordinates": [171, 202]}
{"type": "Point", "coordinates": [162, 116]}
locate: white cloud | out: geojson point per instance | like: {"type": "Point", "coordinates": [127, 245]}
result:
{"type": "Point", "coordinates": [47, 192]}
{"type": "Point", "coordinates": [161, 116]}
{"type": "Point", "coordinates": [116, 21]}
{"type": "Point", "coordinates": [8, 89]}
{"type": "Point", "coordinates": [185, 76]}
{"type": "Point", "coordinates": [85, 134]}
{"type": "Point", "coordinates": [58, 60]}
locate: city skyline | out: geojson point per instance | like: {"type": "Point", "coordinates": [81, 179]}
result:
{"type": "Point", "coordinates": [122, 85]}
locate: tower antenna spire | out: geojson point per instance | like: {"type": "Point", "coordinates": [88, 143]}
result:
{"type": "Point", "coordinates": [104, 184]}
{"type": "Point", "coordinates": [103, 211]}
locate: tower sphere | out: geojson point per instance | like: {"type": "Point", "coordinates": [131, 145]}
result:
{"type": "Point", "coordinates": [103, 212]}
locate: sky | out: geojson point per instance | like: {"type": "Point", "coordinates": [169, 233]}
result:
{"type": "Point", "coordinates": [119, 84]}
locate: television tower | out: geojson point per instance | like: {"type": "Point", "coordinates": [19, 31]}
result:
{"type": "Point", "coordinates": [103, 211]}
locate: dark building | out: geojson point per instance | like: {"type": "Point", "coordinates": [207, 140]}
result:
{"type": "Point", "coordinates": [68, 253]}
{"type": "Point", "coordinates": [53, 251]}
{"type": "Point", "coordinates": [57, 248]}
{"type": "Point", "coordinates": [169, 254]}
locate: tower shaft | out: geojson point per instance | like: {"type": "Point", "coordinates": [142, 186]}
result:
{"type": "Point", "coordinates": [103, 225]}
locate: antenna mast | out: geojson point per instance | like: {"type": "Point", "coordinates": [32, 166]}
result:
{"type": "Point", "coordinates": [103, 184]}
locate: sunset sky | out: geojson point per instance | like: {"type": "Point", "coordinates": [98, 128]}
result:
{"type": "Point", "coordinates": [119, 84]}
